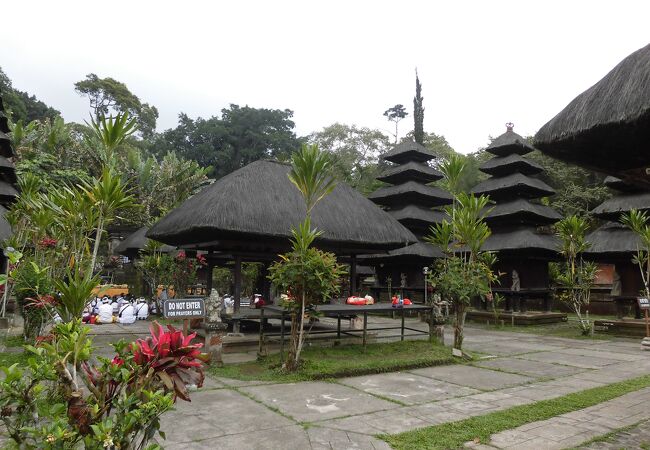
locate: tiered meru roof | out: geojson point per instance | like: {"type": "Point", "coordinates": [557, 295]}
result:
{"type": "Point", "coordinates": [613, 238]}
{"type": "Point", "coordinates": [514, 219]}
{"type": "Point", "coordinates": [410, 200]}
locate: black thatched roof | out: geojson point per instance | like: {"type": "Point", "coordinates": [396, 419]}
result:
{"type": "Point", "coordinates": [411, 171]}
{"type": "Point", "coordinates": [612, 208]}
{"type": "Point", "coordinates": [5, 228]}
{"type": "Point", "coordinates": [607, 127]}
{"type": "Point", "coordinates": [509, 143]}
{"type": "Point", "coordinates": [620, 185]}
{"type": "Point", "coordinates": [255, 207]}
{"type": "Point", "coordinates": [8, 193]}
{"type": "Point", "coordinates": [7, 170]}
{"type": "Point", "coordinates": [527, 241]}
{"type": "Point", "coordinates": [504, 165]}
{"type": "Point", "coordinates": [411, 192]}
{"type": "Point", "coordinates": [521, 211]}
{"type": "Point", "coordinates": [137, 241]}
{"type": "Point", "coordinates": [612, 239]}
{"type": "Point", "coordinates": [408, 151]}
{"type": "Point", "coordinates": [416, 214]}
{"type": "Point", "coordinates": [514, 185]}
{"type": "Point", "coordinates": [420, 253]}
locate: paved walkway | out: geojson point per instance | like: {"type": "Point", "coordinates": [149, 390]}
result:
{"type": "Point", "coordinates": [230, 414]}
{"type": "Point", "coordinates": [575, 428]}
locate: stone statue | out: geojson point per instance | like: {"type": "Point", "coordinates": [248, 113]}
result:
{"type": "Point", "coordinates": [516, 284]}
{"type": "Point", "coordinates": [213, 305]}
{"type": "Point", "coordinates": [402, 278]}
{"type": "Point", "coordinates": [617, 288]}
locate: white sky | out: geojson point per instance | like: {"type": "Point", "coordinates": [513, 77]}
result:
{"type": "Point", "coordinates": [481, 63]}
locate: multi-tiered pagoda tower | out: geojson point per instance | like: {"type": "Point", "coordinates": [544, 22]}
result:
{"type": "Point", "coordinates": [523, 251]}
{"type": "Point", "coordinates": [410, 200]}
{"type": "Point", "coordinates": [8, 182]}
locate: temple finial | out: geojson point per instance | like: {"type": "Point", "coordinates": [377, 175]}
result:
{"type": "Point", "coordinates": [510, 126]}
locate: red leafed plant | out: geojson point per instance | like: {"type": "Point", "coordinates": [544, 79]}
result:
{"type": "Point", "coordinates": [172, 356]}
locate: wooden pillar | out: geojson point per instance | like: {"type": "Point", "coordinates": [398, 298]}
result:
{"type": "Point", "coordinates": [237, 276]}
{"type": "Point", "coordinates": [353, 275]}
{"type": "Point", "coordinates": [266, 283]}
{"type": "Point", "coordinates": [208, 277]}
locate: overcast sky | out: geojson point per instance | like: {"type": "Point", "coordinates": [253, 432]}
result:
{"type": "Point", "coordinates": [481, 63]}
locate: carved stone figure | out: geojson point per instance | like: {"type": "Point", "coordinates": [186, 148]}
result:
{"type": "Point", "coordinates": [213, 305]}
{"type": "Point", "coordinates": [617, 288]}
{"type": "Point", "coordinates": [516, 284]}
{"type": "Point", "coordinates": [402, 277]}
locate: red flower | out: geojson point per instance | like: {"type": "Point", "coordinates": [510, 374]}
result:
{"type": "Point", "coordinates": [201, 259]}
{"type": "Point", "coordinates": [181, 256]}
{"type": "Point", "coordinates": [117, 361]}
{"type": "Point", "coordinates": [47, 242]}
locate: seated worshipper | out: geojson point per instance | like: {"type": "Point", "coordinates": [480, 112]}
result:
{"type": "Point", "coordinates": [126, 314]}
{"type": "Point", "coordinates": [115, 305]}
{"type": "Point", "coordinates": [121, 301]}
{"type": "Point", "coordinates": [142, 310]}
{"type": "Point", "coordinates": [94, 305]}
{"type": "Point", "coordinates": [105, 312]}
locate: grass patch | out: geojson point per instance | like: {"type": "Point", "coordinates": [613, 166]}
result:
{"type": "Point", "coordinates": [13, 341]}
{"type": "Point", "coordinates": [9, 358]}
{"type": "Point", "coordinates": [454, 434]}
{"type": "Point", "coordinates": [342, 361]}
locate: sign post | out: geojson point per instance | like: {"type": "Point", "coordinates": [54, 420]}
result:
{"type": "Point", "coordinates": [644, 305]}
{"type": "Point", "coordinates": [184, 308]}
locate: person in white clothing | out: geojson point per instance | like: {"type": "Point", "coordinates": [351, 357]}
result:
{"type": "Point", "coordinates": [126, 314]}
{"type": "Point", "coordinates": [105, 311]}
{"type": "Point", "coordinates": [142, 310]}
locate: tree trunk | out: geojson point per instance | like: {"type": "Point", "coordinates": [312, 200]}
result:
{"type": "Point", "coordinates": [459, 324]}
{"type": "Point", "coordinates": [290, 363]}
{"type": "Point", "coordinates": [301, 335]}
{"type": "Point", "coordinates": [98, 238]}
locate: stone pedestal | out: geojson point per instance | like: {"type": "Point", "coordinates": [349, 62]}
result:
{"type": "Point", "coordinates": [214, 333]}
{"type": "Point", "coordinates": [645, 343]}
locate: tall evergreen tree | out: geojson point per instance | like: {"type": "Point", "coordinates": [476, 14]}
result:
{"type": "Point", "coordinates": [418, 112]}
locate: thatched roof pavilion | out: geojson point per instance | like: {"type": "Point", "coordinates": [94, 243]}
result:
{"type": "Point", "coordinates": [254, 208]}
{"type": "Point", "coordinates": [249, 214]}
{"type": "Point", "coordinates": [607, 127]}
{"type": "Point", "coordinates": [516, 217]}
{"type": "Point", "coordinates": [137, 241]}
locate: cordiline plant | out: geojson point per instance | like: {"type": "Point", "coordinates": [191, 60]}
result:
{"type": "Point", "coordinates": [639, 222]}
{"type": "Point", "coordinates": [63, 399]}
{"type": "Point", "coordinates": [575, 277]}
{"type": "Point", "coordinates": [465, 272]}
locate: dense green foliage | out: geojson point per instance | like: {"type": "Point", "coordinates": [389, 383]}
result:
{"type": "Point", "coordinates": [108, 96]}
{"type": "Point", "coordinates": [418, 112]}
{"type": "Point", "coordinates": [454, 435]}
{"type": "Point", "coordinates": [240, 136]}
{"type": "Point", "coordinates": [22, 106]}
{"type": "Point", "coordinates": [355, 153]}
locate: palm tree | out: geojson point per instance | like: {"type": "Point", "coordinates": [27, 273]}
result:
{"type": "Point", "coordinates": [107, 195]}
{"type": "Point", "coordinates": [310, 173]}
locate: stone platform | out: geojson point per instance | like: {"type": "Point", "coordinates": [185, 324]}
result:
{"type": "Point", "coordinates": [518, 318]}
{"type": "Point", "coordinates": [621, 327]}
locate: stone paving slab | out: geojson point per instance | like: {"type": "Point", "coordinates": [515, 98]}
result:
{"type": "Point", "coordinates": [313, 401]}
{"type": "Point", "coordinates": [407, 388]}
{"type": "Point", "coordinates": [286, 438]}
{"type": "Point", "coordinates": [529, 368]}
{"type": "Point", "coordinates": [601, 353]}
{"type": "Point", "coordinates": [216, 413]}
{"type": "Point", "coordinates": [584, 362]}
{"type": "Point", "coordinates": [328, 439]}
{"type": "Point", "coordinates": [636, 437]}
{"type": "Point", "coordinates": [474, 377]}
